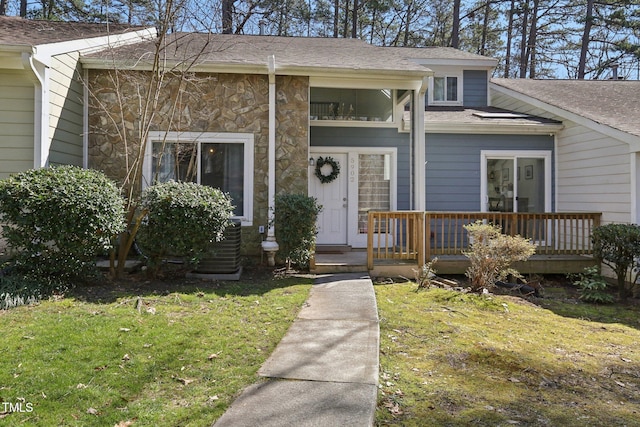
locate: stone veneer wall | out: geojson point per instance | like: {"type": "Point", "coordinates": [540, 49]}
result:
{"type": "Point", "coordinates": [206, 103]}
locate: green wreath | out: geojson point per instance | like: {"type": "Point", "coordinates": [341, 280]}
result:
{"type": "Point", "coordinates": [335, 169]}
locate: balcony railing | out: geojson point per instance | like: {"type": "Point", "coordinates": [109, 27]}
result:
{"type": "Point", "coordinates": [421, 236]}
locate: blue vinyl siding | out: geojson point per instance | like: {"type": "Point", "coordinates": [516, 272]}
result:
{"type": "Point", "coordinates": [453, 166]}
{"type": "Point", "coordinates": [475, 88]}
{"type": "Point", "coordinates": [369, 137]}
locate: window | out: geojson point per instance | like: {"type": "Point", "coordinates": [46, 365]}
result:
{"type": "Point", "coordinates": [371, 105]}
{"type": "Point", "coordinates": [445, 90]}
{"type": "Point", "coordinates": [219, 160]}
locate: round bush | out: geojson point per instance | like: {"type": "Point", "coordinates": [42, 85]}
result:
{"type": "Point", "coordinates": [183, 219]}
{"type": "Point", "coordinates": [57, 219]}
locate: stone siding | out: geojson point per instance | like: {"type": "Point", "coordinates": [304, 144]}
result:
{"type": "Point", "coordinates": [199, 102]}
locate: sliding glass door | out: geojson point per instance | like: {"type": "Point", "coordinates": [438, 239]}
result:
{"type": "Point", "coordinates": [516, 181]}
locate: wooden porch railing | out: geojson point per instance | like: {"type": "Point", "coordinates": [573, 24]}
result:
{"type": "Point", "coordinates": [421, 236]}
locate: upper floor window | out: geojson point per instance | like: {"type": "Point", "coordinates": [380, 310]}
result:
{"type": "Point", "coordinates": [371, 105]}
{"type": "Point", "coordinates": [445, 90]}
{"type": "Point", "coordinates": [219, 160]}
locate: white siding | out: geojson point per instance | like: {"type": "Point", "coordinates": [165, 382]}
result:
{"type": "Point", "coordinates": [65, 120]}
{"type": "Point", "coordinates": [16, 122]}
{"type": "Point", "coordinates": [593, 169]}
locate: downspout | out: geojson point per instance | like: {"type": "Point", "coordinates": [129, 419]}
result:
{"type": "Point", "coordinates": [41, 110]}
{"type": "Point", "coordinates": [270, 246]}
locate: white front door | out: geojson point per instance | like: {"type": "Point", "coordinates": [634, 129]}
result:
{"type": "Point", "coordinates": [366, 182]}
{"type": "Point", "coordinates": [332, 220]}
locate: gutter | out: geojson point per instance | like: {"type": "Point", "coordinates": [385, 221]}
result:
{"type": "Point", "coordinates": [270, 246]}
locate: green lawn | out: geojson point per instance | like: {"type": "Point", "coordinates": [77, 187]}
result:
{"type": "Point", "coordinates": [454, 359]}
{"type": "Point", "coordinates": [177, 353]}
{"type": "Point", "coordinates": [140, 353]}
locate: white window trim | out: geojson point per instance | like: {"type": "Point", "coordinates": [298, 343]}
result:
{"type": "Point", "coordinates": [460, 84]}
{"type": "Point", "coordinates": [208, 137]}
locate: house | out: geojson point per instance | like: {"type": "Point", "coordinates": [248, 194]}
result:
{"type": "Point", "coordinates": [409, 129]}
{"type": "Point", "coordinates": [364, 129]}
{"type": "Point", "coordinates": [41, 88]}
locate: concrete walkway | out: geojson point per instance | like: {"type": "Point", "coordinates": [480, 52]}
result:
{"type": "Point", "coordinates": [324, 372]}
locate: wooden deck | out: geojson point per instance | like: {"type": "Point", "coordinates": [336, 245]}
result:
{"type": "Point", "coordinates": [401, 241]}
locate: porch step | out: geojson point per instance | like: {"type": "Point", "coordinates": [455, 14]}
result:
{"type": "Point", "coordinates": [339, 262]}
{"type": "Point", "coordinates": [332, 249]}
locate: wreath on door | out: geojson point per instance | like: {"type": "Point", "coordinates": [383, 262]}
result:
{"type": "Point", "coordinates": [335, 169]}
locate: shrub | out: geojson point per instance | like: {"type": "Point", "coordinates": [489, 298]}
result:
{"type": "Point", "coordinates": [295, 227]}
{"type": "Point", "coordinates": [618, 247]}
{"type": "Point", "coordinates": [183, 220]}
{"type": "Point", "coordinates": [492, 253]}
{"type": "Point", "coordinates": [592, 286]}
{"type": "Point", "coordinates": [425, 274]}
{"type": "Point", "coordinates": [56, 221]}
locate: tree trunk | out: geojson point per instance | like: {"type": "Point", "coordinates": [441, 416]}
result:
{"type": "Point", "coordinates": [336, 17]}
{"type": "Point", "coordinates": [345, 27]}
{"type": "Point", "coordinates": [507, 59]}
{"type": "Point", "coordinates": [354, 24]}
{"type": "Point", "coordinates": [455, 28]}
{"type": "Point", "coordinates": [3, 7]}
{"type": "Point", "coordinates": [523, 42]}
{"type": "Point", "coordinates": [586, 35]}
{"type": "Point", "coordinates": [485, 29]}
{"type": "Point", "coordinates": [407, 23]}
{"type": "Point", "coordinates": [23, 8]}
{"type": "Point", "coordinates": [533, 40]}
{"type": "Point", "coordinates": [227, 16]}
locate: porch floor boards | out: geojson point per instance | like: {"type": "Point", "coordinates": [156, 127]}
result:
{"type": "Point", "coordinates": [356, 261]}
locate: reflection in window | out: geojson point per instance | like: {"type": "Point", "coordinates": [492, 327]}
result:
{"type": "Point", "coordinates": [221, 166]}
{"type": "Point", "coordinates": [351, 104]}
{"type": "Point", "coordinates": [374, 187]}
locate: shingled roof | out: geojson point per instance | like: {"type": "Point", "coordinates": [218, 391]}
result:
{"type": "Point", "coordinates": [614, 103]}
{"type": "Point", "coordinates": [251, 52]}
{"type": "Point", "coordinates": [17, 31]}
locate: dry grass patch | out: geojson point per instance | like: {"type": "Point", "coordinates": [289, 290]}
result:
{"type": "Point", "coordinates": [455, 359]}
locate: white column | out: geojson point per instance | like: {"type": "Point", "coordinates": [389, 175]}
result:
{"type": "Point", "coordinates": [270, 246]}
{"type": "Point", "coordinates": [419, 182]}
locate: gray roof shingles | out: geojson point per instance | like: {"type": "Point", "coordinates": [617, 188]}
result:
{"type": "Point", "coordinates": [614, 103]}
{"type": "Point", "coordinates": [18, 31]}
{"type": "Point", "coordinates": [250, 50]}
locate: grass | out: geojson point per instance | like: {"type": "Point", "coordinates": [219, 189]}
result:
{"type": "Point", "coordinates": [143, 354]}
{"type": "Point", "coordinates": [455, 359]}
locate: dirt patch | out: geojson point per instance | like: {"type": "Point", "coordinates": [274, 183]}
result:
{"type": "Point", "coordinates": [172, 279]}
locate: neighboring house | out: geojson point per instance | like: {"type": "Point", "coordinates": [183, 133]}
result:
{"type": "Point", "coordinates": [598, 148]}
{"type": "Point", "coordinates": [41, 89]}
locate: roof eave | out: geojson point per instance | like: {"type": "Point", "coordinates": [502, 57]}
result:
{"type": "Point", "coordinates": [475, 63]}
{"type": "Point", "coordinates": [252, 68]}
{"type": "Point", "coordinates": [93, 44]}
{"type": "Point", "coordinates": [489, 128]}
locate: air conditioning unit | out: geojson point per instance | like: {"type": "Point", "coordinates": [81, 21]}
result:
{"type": "Point", "coordinates": [223, 261]}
